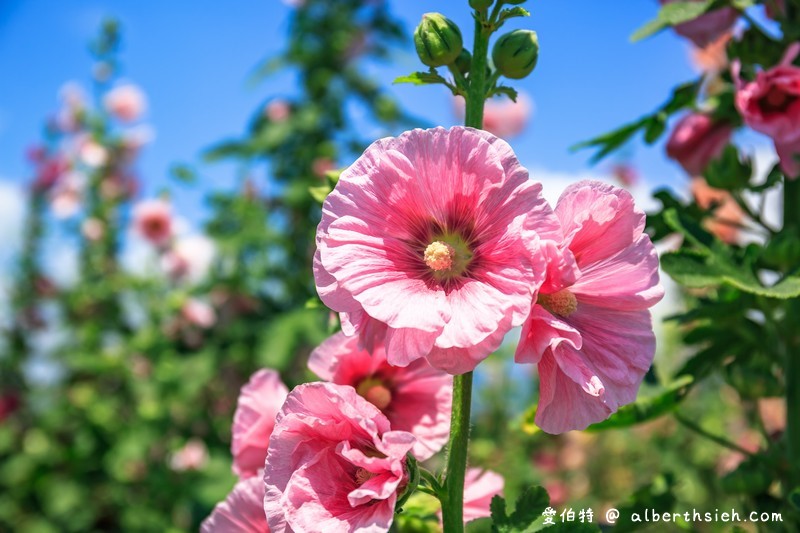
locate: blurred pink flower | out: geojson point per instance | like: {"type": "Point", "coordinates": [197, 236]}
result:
{"type": "Point", "coordinates": [198, 313]}
{"type": "Point", "coordinates": [501, 116]}
{"type": "Point", "coordinates": [789, 154]}
{"type": "Point", "coordinates": [48, 170]}
{"type": "Point", "coordinates": [125, 102]}
{"type": "Point", "coordinates": [9, 403]}
{"type": "Point", "coordinates": [770, 104]}
{"type": "Point", "coordinates": [278, 110]}
{"type": "Point", "coordinates": [707, 27]}
{"type": "Point", "coordinates": [193, 456]}
{"type": "Point", "coordinates": [92, 154]}
{"type": "Point", "coordinates": [189, 259]}
{"type": "Point", "coordinates": [626, 174]}
{"type": "Point", "coordinates": [713, 57]}
{"type": "Point", "coordinates": [727, 212]}
{"type": "Point", "coordinates": [429, 245]}
{"type": "Point", "coordinates": [334, 464]}
{"type": "Point", "coordinates": [480, 486]}
{"type": "Point", "coordinates": [152, 219]}
{"type": "Point", "coordinates": [590, 330]}
{"type": "Point", "coordinates": [416, 398]}
{"type": "Point", "coordinates": [322, 165]}
{"type": "Point", "coordinates": [696, 140]}
{"type": "Point", "coordinates": [241, 512]}
{"type": "Point", "coordinates": [259, 401]}
{"type": "Point", "coordinates": [93, 229]}
{"type": "Point", "coordinates": [66, 196]}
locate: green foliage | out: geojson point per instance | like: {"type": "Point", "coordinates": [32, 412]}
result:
{"type": "Point", "coordinates": [646, 409]}
{"type": "Point", "coordinates": [529, 507]}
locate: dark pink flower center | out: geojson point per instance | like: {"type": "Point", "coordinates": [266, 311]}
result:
{"type": "Point", "coordinates": [776, 100]}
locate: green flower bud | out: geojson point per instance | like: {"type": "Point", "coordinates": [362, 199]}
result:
{"type": "Point", "coordinates": [515, 53]}
{"type": "Point", "coordinates": [438, 40]}
{"type": "Point", "coordinates": [480, 5]}
{"type": "Point", "coordinates": [464, 61]}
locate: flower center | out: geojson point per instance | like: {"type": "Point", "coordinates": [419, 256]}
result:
{"type": "Point", "coordinates": [439, 256]}
{"type": "Point", "coordinates": [776, 100]}
{"type": "Point", "coordinates": [448, 256]}
{"type": "Point", "coordinates": [375, 392]}
{"type": "Point", "coordinates": [363, 475]}
{"type": "Point", "coordinates": [562, 303]}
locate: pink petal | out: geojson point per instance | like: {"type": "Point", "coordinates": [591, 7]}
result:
{"type": "Point", "coordinates": [480, 486]}
{"type": "Point", "coordinates": [241, 512]}
{"type": "Point", "coordinates": [541, 332]}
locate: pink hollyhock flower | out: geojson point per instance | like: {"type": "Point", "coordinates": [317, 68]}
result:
{"type": "Point", "coordinates": [503, 117]}
{"type": "Point", "coordinates": [590, 330]}
{"type": "Point", "coordinates": [322, 165]}
{"type": "Point", "coordinates": [66, 196]}
{"type": "Point", "coordinates": [241, 512]}
{"type": "Point", "coordinates": [152, 219]}
{"type": "Point", "coordinates": [416, 398]}
{"type": "Point", "coordinates": [770, 104]}
{"type": "Point", "coordinates": [189, 259]}
{"type": "Point", "coordinates": [334, 464]}
{"type": "Point", "coordinates": [278, 110]}
{"type": "Point", "coordinates": [429, 244]}
{"type": "Point", "coordinates": [480, 486]}
{"type": "Point", "coordinates": [93, 229]}
{"type": "Point", "coordinates": [696, 140]}
{"type": "Point", "coordinates": [126, 102]}
{"type": "Point", "coordinates": [712, 58]}
{"type": "Point", "coordinates": [193, 456]}
{"type": "Point", "coordinates": [260, 400]}
{"type": "Point", "coordinates": [198, 313]}
{"type": "Point", "coordinates": [707, 27]}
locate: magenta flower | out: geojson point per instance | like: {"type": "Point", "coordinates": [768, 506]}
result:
{"type": "Point", "coordinates": [416, 398]}
{"type": "Point", "coordinates": [258, 404]}
{"type": "Point", "coordinates": [429, 244]}
{"type": "Point", "coordinates": [697, 140]}
{"type": "Point", "coordinates": [334, 464]}
{"type": "Point", "coordinates": [590, 330]}
{"type": "Point", "coordinates": [241, 512]}
{"type": "Point", "coordinates": [707, 27]}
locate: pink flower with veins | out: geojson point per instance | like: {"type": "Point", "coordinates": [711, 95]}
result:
{"type": "Point", "coordinates": [125, 102]}
{"type": "Point", "coordinates": [241, 512]}
{"type": "Point", "coordinates": [696, 140]}
{"type": "Point", "coordinates": [590, 330]}
{"type": "Point", "coordinates": [503, 117]}
{"type": "Point", "coordinates": [259, 401]}
{"type": "Point", "coordinates": [334, 464]}
{"type": "Point", "coordinates": [152, 219]}
{"type": "Point", "coordinates": [708, 26]}
{"type": "Point", "coordinates": [480, 486]}
{"type": "Point", "coordinates": [430, 246]}
{"type": "Point", "coordinates": [416, 398]}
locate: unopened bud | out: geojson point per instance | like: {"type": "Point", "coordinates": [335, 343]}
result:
{"type": "Point", "coordinates": [480, 5]}
{"type": "Point", "coordinates": [464, 61]}
{"type": "Point", "coordinates": [438, 40]}
{"type": "Point", "coordinates": [515, 53]}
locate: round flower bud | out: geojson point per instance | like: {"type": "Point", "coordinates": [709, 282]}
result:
{"type": "Point", "coordinates": [464, 61]}
{"type": "Point", "coordinates": [438, 40]}
{"type": "Point", "coordinates": [480, 5]}
{"type": "Point", "coordinates": [515, 53]}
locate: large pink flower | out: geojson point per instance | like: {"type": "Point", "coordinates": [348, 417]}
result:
{"type": "Point", "coordinates": [416, 398]}
{"type": "Point", "coordinates": [429, 243]}
{"type": "Point", "coordinates": [707, 27]}
{"type": "Point", "coordinates": [590, 330]}
{"type": "Point", "coordinates": [259, 402]}
{"type": "Point", "coordinates": [697, 140]}
{"type": "Point", "coordinates": [241, 512]}
{"type": "Point", "coordinates": [334, 464]}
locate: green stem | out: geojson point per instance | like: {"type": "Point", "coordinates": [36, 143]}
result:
{"type": "Point", "coordinates": [453, 496]}
{"type": "Point", "coordinates": [476, 94]}
{"type": "Point", "coordinates": [710, 436]}
{"type": "Point", "coordinates": [791, 224]}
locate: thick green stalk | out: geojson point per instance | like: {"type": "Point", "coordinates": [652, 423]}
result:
{"type": "Point", "coordinates": [791, 221]}
{"type": "Point", "coordinates": [453, 497]}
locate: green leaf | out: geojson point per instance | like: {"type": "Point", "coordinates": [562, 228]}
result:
{"type": "Point", "coordinates": [689, 268]}
{"type": "Point", "coordinates": [183, 173]}
{"type": "Point", "coordinates": [320, 192]}
{"type": "Point", "coordinates": [506, 14]}
{"type": "Point", "coordinates": [651, 28]}
{"type": "Point", "coordinates": [750, 477]}
{"type": "Point", "coordinates": [508, 91]}
{"type": "Point", "coordinates": [794, 498]}
{"type": "Point", "coordinates": [529, 507]}
{"type": "Point", "coordinates": [729, 171]}
{"type": "Point", "coordinates": [421, 78]}
{"type": "Point", "coordinates": [646, 409]}
{"type": "Point", "coordinates": [773, 178]}
{"type": "Point", "coordinates": [657, 497]}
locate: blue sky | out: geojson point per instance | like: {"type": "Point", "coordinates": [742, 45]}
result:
{"type": "Point", "coordinates": [193, 61]}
